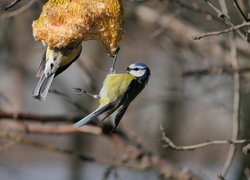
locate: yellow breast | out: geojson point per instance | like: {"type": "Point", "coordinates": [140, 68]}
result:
{"type": "Point", "coordinates": [70, 56]}
{"type": "Point", "coordinates": [114, 86]}
{"type": "Point", "coordinates": [66, 58]}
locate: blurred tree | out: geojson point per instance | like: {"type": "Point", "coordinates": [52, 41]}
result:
{"type": "Point", "coordinates": [198, 52]}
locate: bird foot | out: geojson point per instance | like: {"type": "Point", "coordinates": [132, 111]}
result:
{"type": "Point", "coordinates": [80, 91]}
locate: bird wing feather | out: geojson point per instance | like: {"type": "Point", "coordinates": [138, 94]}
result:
{"type": "Point", "coordinates": [93, 115]}
{"type": "Point", "coordinates": [118, 117]}
{"type": "Point", "coordinates": [66, 64]}
{"type": "Point", "coordinates": [41, 65]}
{"type": "Point", "coordinates": [42, 88]}
{"type": "Point", "coordinates": [129, 94]}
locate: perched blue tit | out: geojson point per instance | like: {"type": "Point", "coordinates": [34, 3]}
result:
{"type": "Point", "coordinates": [54, 62]}
{"type": "Point", "coordinates": [118, 91]}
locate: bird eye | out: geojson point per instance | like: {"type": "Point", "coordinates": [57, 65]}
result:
{"type": "Point", "coordinates": [136, 69]}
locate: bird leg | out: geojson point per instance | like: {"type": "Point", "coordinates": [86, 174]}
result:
{"type": "Point", "coordinates": [112, 69]}
{"type": "Point", "coordinates": [80, 91]}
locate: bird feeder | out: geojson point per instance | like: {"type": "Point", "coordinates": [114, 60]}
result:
{"type": "Point", "coordinates": [63, 22]}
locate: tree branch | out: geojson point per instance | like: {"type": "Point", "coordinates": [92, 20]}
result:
{"type": "Point", "coordinates": [18, 11]}
{"type": "Point", "coordinates": [170, 144]}
{"type": "Point", "coordinates": [236, 108]}
{"type": "Point", "coordinates": [12, 4]}
{"type": "Point", "coordinates": [156, 163]}
{"type": "Point", "coordinates": [240, 10]}
{"type": "Point", "coordinates": [27, 141]}
{"type": "Point", "coordinates": [225, 18]}
{"type": "Point", "coordinates": [216, 33]}
{"type": "Point", "coordinates": [40, 117]}
{"type": "Point", "coordinates": [61, 129]}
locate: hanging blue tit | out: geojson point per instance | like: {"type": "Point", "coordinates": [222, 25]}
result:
{"type": "Point", "coordinates": [54, 62]}
{"type": "Point", "coordinates": [118, 91]}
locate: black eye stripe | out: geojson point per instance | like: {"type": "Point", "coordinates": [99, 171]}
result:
{"type": "Point", "coordinates": [51, 66]}
{"type": "Point", "coordinates": [137, 69]}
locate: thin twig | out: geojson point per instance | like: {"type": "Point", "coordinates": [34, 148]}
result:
{"type": "Point", "coordinates": [225, 18]}
{"type": "Point", "coordinates": [12, 4]}
{"type": "Point", "coordinates": [223, 6]}
{"type": "Point", "coordinates": [246, 19]}
{"type": "Point", "coordinates": [18, 11]}
{"type": "Point", "coordinates": [216, 33]}
{"type": "Point", "coordinates": [240, 10]}
{"type": "Point", "coordinates": [218, 11]}
{"type": "Point", "coordinates": [236, 108]}
{"type": "Point", "coordinates": [170, 144]}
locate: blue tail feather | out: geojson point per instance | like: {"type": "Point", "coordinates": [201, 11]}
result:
{"type": "Point", "coordinates": [92, 116]}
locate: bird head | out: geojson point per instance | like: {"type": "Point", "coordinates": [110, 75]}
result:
{"type": "Point", "coordinates": [56, 57]}
{"type": "Point", "coordinates": [139, 70]}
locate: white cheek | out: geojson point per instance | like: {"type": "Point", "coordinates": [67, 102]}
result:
{"type": "Point", "coordinates": [139, 73]}
{"type": "Point", "coordinates": [51, 67]}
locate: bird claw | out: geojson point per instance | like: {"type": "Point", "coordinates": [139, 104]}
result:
{"type": "Point", "coordinates": [112, 71]}
{"type": "Point", "coordinates": [114, 56]}
{"type": "Point", "coordinates": [80, 91]}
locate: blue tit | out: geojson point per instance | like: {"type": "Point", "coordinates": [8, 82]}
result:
{"type": "Point", "coordinates": [118, 91]}
{"type": "Point", "coordinates": [54, 62]}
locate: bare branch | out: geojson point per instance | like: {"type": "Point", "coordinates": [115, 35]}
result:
{"type": "Point", "coordinates": [240, 10]}
{"type": "Point", "coordinates": [18, 11]}
{"type": "Point", "coordinates": [170, 143]}
{"type": "Point", "coordinates": [157, 163]}
{"type": "Point", "coordinates": [225, 18]}
{"type": "Point", "coordinates": [27, 141]}
{"type": "Point", "coordinates": [218, 11]}
{"type": "Point", "coordinates": [61, 129]}
{"type": "Point", "coordinates": [12, 4]}
{"type": "Point", "coordinates": [236, 108]}
{"type": "Point", "coordinates": [223, 6]}
{"type": "Point", "coordinates": [39, 117]}
{"type": "Point", "coordinates": [216, 33]}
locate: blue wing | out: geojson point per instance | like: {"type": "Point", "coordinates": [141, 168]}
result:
{"type": "Point", "coordinates": [93, 115]}
{"type": "Point", "coordinates": [131, 92]}
{"type": "Point", "coordinates": [118, 117]}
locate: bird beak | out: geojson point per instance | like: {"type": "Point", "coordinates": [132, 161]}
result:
{"type": "Point", "coordinates": [127, 69]}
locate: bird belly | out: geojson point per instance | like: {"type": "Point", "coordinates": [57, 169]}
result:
{"type": "Point", "coordinates": [114, 86]}
{"type": "Point", "coordinates": [67, 59]}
